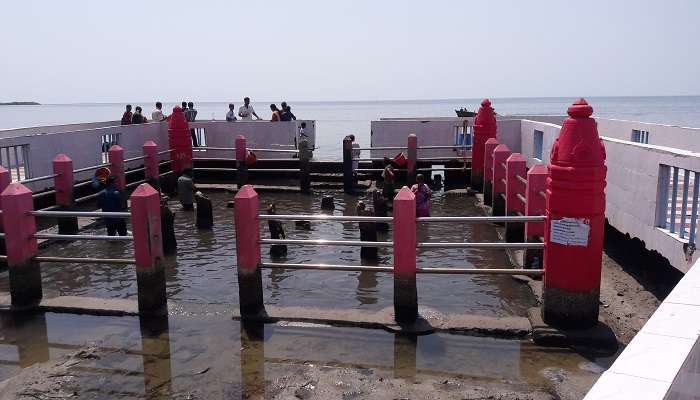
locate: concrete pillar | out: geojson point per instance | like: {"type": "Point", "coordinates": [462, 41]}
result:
{"type": "Point", "coordinates": [5, 180]}
{"type": "Point", "coordinates": [368, 233]}
{"type": "Point", "coordinates": [500, 155]}
{"type": "Point", "coordinates": [411, 159]}
{"type": "Point", "coordinates": [150, 163]}
{"type": "Point", "coordinates": [205, 214]}
{"type": "Point", "coordinates": [304, 166]}
{"type": "Point", "coordinates": [180, 141]}
{"type": "Point", "coordinates": [536, 181]}
{"type": "Point", "coordinates": [63, 184]}
{"type": "Point", "coordinates": [148, 250]}
{"type": "Point", "coordinates": [515, 167]}
{"type": "Point", "coordinates": [116, 159]}
{"type": "Point", "coordinates": [348, 179]}
{"type": "Point", "coordinates": [242, 167]}
{"type": "Point", "coordinates": [484, 129]}
{"type": "Point", "coordinates": [489, 146]}
{"type": "Point", "coordinates": [405, 292]}
{"type": "Point", "coordinates": [25, 275]}
{"type": "Point", "coordinates": [575, 221]}
{"type": "Point", "coordinates": [250, 290]}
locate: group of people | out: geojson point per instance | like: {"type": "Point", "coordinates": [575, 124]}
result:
{"type": "Point", "coordinates": [420, 189]}
{"type": "Point", "coordinates": [246, 112]}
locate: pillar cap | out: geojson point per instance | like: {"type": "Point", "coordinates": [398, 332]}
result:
{"type": "Point", "coordinates": [3, 170]}
{"type": "Point", "coordinates": [580, 109]}
{"type": "Point", "coordinates": [492, 141]}
{"type": "Point", "coordinates": [115, 147]}
{"type": "Point", "coordinates": [150, 143]}
{"type": "Point", "coordinates": [501, 148]}
{"type": "Point", "coordinates": [405, 194]}
{"type": "Point", "coordinates": [538, 169]}
{"type": "Point", "coordinates": [246, 192]}
{"type": "Point", "coordinates": [144, 190]}
{"type": "Point", "coordinates": [62, 158]}
{"type": "Point", "coordinates": [515, 157]}
{"type": "Point", "coordinates": [16, 188]}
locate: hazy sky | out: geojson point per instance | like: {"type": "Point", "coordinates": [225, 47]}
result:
{"type": "Point", "coordinates": [101, 51]}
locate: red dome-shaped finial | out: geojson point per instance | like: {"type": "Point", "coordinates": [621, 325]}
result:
{"type": "Point", "coordinates": [486, 103]}
{"type": "Point", "coordinates": [580, 109]}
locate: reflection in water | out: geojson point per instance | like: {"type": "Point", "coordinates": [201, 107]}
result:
{"type": "Point", "coordinates": [155, 343]}
{"type": "Point", "coordinates": [252, 360]}
{"type": "Point", "coordinates": [366, 287]}
{"type": "Point", "coordinates": [405, 356]}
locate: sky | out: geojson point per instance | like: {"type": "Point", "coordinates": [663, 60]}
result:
{"type": "Point", "coordinates": [74, 51]}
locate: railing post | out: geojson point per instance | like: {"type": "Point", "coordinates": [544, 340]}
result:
{"type": "Point", "coordinates": [116, 159]}
{"type": "Point", "coordinates": [489, 146]}
{"type": "Point", "coordinates": [150, 163]}
{"type": "Point", "coordinates": [25, 274]}
{"type": "Point", "coordinates": [348, 179]}
{"type": "Point", "coordinates": [412, 159]}
{"type": "Point", "coordinates": [250, 290]}
{"type": "Point", "coordinates": [484, 129]}
{"type": "Point", "coordinates": [534, 231]}
{"type": "Point", "coordinates": [515, 166]}
{"type": "Point", "coordinates": [500, 155]}
{"type": "Point", "coordinates": [63, 184]}
{"type": "Point", "coordinates": [304, 166]}
{"type": "Point", "coordinates": [405, 292]}
{"type": "Point", "coordinates": [242, 167]}
{"type": "Point", "coordinates": [5, 180]}
{"type": "Point", "coordinates": [180, 141]}
{"type": "Point", "coordinates": [148, 250]}
{"type": "Point", "coordinates": [575, 221]}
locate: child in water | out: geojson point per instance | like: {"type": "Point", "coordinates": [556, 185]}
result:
{"type": "Point", "coordinates": [423, 194]}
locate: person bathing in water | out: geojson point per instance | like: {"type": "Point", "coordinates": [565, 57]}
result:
{"type": "Point", "coordinates": [423, 194]}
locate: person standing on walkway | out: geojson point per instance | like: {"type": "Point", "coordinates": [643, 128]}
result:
{"type": "Point", "coordinates": [111, 199]}
{"type": "Point", "coordinates": [231, 114]}
{"type": "Point", "coordinates": [186, 190]}
{"type": "Point", "coordinates": [389, 180]}
{"type": "Point", "coordinates": [246, 112]}
{"type": "Point", "coordinates": [138, 117]}
{"type": "Point", "coordinates": [286, 112]}
{"type": "Point", "coordinates": [157, 114]}
{"type": "Point", "coordinates": [423, 195]}
{"type": "Point", "coordinates": [275, 113]}
{"type": "Point", "coordinates": [126, 117]}
{"type": "Point", "coordinates": [183, 105]}
{"type": "Point", "coordinates": [190, 116]}
{"type": "Point", "coordinates": [356, 152]}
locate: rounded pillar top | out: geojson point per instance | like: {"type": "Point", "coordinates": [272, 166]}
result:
{"type": "Point", "coordinates": [578, 144]}
{"type": "Point", "coordinates": [501, 148]}
{"type": "Point", "coordinates": [580, 109]}
{"type": "Point", "coordinates": [144, 190]}
{"type": "Point", "coordinates": [62, 158]}
{"type": "Point", "coordinates": [115, 147]}
{"type": "Point", "coordinates": [150, 143]}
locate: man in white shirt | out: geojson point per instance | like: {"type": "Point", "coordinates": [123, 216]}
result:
{"type": "Point", "coordinates": [157, 114]}
{"type": "Point", "coordinates": [231, 114]}
{"type": "Point", "coordinates": [246, 111]}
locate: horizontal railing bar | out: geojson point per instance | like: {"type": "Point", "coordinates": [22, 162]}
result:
{"type": "Point", "coordinates": [167, 173]}
{"type": "Point", "coordinates": [504, 181]}
{"type": "Point", "coordinates": [444, 169]}
{"type": "Point", "coordinates": [214, 169]}
{"type": "Point", "coordinates": [521, 179]}
{"type": "Point", "coordinates": [81, 184]}
{"type": "Point", "coordinates": [521, 198]}
{"type": "Point", "coordinates": [368, 159]}
{"type": "Point", "coordinates": [213, 159]}
{"type": "Point", "coordinates": [273, 170]}
{"type": "Point", "coordinates": [511, 218]}
{"type": "Point", "coordinates": [81, 237]}
{"type": "Point", "coordinates": [133, 171]}
{"type": "Point", "coordinates": [165, 151]}
{"type": "Point", "coordinates": [381, 148]}
{"type": "Point", "coordinates": [135, 183]}
{"type": "Point", "coordinates": [504, 165]}
{"type": "Point", "coordinates": [134, 158]}
{"type": "Point", "coordinates": [480, 271]}
{"type": "Point", "coordinates": [327, 267]}
{"type": "Point", "coordinates": [38, 178]}
{"type": "Point", "coordinates": [86, 198]}
{"type": "Point", "coordinates": [455, 147]}
{"type": "Point", "coordinates": [42, 194]}
{"type": "Point", "coordinates": [165, 162]}
{"type": "Point", "coordinates": [342, 218]}
{"type": "Point", "coordinates": [481, 245]}
{"type": "Point", "coordinates": [88, 214]}
{"type": "Point", "coordinates": [543, 194]}
{"type": "Point", "coordinates": [86, 260]}
{"type": "Point", "coordinates": [215, 148]}
{"type": "Point", "coordinates": [374, 169]}
{"type": "Point", "coordinates": [276, 150]}
{"type": "Point", "coordinates": [311, 242]}
{"type": "Point", "coordinates": [503, 195]}
{"type": "Point", "coordinates": [92, 167]}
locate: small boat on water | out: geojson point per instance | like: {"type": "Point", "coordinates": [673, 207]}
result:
{"type": "Point", "coordinates": [463, 112]}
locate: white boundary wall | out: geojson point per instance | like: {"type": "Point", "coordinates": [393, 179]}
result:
{"type": "Point", "coordinates": [429, 131]}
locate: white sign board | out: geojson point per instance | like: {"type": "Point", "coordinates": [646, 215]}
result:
{"type": "Point", "coordinates": [569, 231]}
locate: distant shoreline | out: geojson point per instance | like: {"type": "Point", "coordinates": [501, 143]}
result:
{"type": "Point", "coordinates": [20, 103]}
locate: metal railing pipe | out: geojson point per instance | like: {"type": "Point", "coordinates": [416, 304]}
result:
{"type": "Point", "coordinates": [92, 167]}
{"type": "Point", "coordinates": [521, 179]}
{"type": "Point", "coordinates": [381, 148]}
{"type": "Point", "coordinates": [327, 267]}
{"type": "Point", "coordinates": [480, 271]}
{"type": "Point", "coordinates": [86, 198]}
{"type": "Point", "coordinates": [455, 147]}
{"type": "Point", "coordinates": [479, 245]}
{"type": "Point", "coordinates": [341, 218]}
{"type": "Point", "coordinates": [135, 183]}
{"type": "Point", "coordinates": [38, 178]}
{"type": "Point", "coordinates": [444, 158]}
{"type": "Point", "coordinates": [86, 260]}
{"type": "Point", "coordinates": [88, 214]}
{"type": "Point", "coordinates": [323, 242]}
{"type": "Point", "coordinates": [81, 237]}
{"type": "Point", "coordinates": [216, 148]}
{"type": "Point", "coordinates": [165, 152]}
{"type": "Point", "coordinates": [133, 171]}
{"type": "Point", "coordinates": [511, 218]}
{"type": "Point", "coordinates": [214, 169]}
{"type": "Point", "coordinates": [134, 158]}
{"type": "Point", "coordinates": [543, 194]}
{"type": "Point", "coordinates": [276, 150]}
{"type": "Point", "coordinates": [165, 162]}
{"type": "Point", "coordinates": [42, 194]}
{"type": "Point", "coordinates": [273, 170]}
{"type": "Point", "coordinates": [521, 198]}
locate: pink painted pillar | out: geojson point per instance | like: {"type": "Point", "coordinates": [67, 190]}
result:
{"type": "Point", "coordinates": [148, 250]}
{"type": "Point", "coordinates": [405, 292]}
{"type": "Point", "coordinates": [5, 180]}
{"type": "Point", "coordinates": [250, 290]}
{"type": "Point", "coordinates": [412, 159]}
{"type": "Point", "coordinates": [515, 170]}
{"type": "Point", "coordinates": [25, 275]}
{"type": "Point", "coordinates": [63, 184]}
{"type": "Point", "coordinates": [116, 159]}
{"type": "Point", "coordinates": [500, 155]}
{"type": "Point", "coordinates": [489, 146]}
{"type": "Point", "coordinates": [241, 153]}
{"type": "Point", "coordinates": [150, 163]}
{"type": "Point", "coordinates": [535, 203]}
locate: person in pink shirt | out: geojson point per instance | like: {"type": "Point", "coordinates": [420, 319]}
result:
{"type": "Point", "coordinates": [423, 194]}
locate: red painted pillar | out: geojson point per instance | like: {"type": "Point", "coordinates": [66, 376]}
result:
{"type": "Point", "coordinates": [515, 167]}
{"type": "Point", "coordinates": [148, 250]}
{"type": "Point", "coordinates": [180, 141]}
{"type": "Point", "coordinates": [242, 167]}
{"type": "Point", "coordinates": [535, 202]}
{"type": "Point", "coordinates": [250, 290]}
{"type": "Point", "coordinates": [5, 180]}
{"type": "Point", "coordinates": [25, 275]}
{"type": "Point", "coordinates": [500, 155]}
{"type": "Point", "coordinates": [405, 292]}
{"type": "Point", "coordinates": [489, 147]}
{"type": "Point", "coordinates": [150, 163]}
{"type": "Point", "coordinates": [63, 184]}
{"type": "Point", "coordinates": [575, 221]}
{"type": "Point", "coordinates": [484, 129]}
{"type": "Point", "coordinates": [116, 159]}
{"type": "Point", "coordinates": [412, 159]}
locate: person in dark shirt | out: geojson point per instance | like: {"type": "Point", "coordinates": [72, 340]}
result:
{"type": "Point", "coordinates": [276, 232]}
{"type": "Point", "coordinates": [138, 117]}
{"type": "Point", "coordinates": [110, 199]}
{"type": "Point", "coordinates": [126, 117]}
{"type": "Point", "coordinates": [286, 113]}
{"type": "Point", "coordinates": [184, 106]}
{"type": "Point", "coordinates": [190, 116]}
